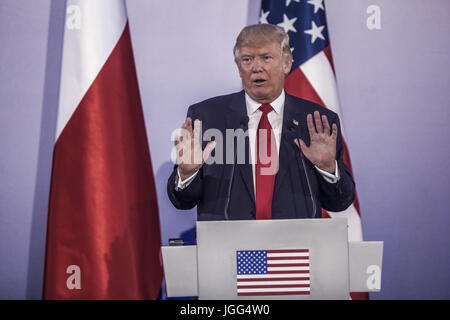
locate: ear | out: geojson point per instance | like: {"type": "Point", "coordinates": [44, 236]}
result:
{"type": "Point", "coordinates": [236, 61]}
{"type": "Point", "coordinates": [287, 64]}
{"type": "Point", "coordinates": [239, 69]}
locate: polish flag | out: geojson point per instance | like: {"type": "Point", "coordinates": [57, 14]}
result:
{"type": "Point", "coordinates": [103, 234]}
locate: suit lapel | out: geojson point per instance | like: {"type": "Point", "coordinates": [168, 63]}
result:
{"type": "Point", "coordinates": [286, 155]}
{"type": "Point", "coordinates": [288, 149]}
{"type": "Point", "coordinates": [237, 111]}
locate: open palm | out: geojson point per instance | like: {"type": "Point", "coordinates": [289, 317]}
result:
{"type": "Point", "coordinates": [190, 156]}
{"type": "Point", "coordinates": [322, 149]}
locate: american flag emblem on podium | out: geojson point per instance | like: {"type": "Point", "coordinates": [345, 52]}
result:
{"type": "Point", "coordinates": [273, 272]}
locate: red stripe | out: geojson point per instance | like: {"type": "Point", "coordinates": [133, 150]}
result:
{"type": "Point", "coordinates": [346, 156]}
{"type": "Point", "coordinates": [359, 295]}
{"type": "Point", "coordinates": [327, 52]}
{"type": "Point", "coordinates": [289, 251]}
{"type": "Point", "coordinates": [272, 293]}
{"type": "Point", "coordinates": [287, 258]}
{"type": "Point", "coordinates": [325, 214]}
{"type": "Point", "coordinates": [298, 85]}
{"type": "Point", "coordinates": [289, 265]}
{"type": "Point", "coordinates": [273, 279]}
{"type": "Point", "coordinates": [348, 163]}
{"type": "Point", "coordinates": [274, 286]}
{"type": "Point", "coordinates": [284, 272]}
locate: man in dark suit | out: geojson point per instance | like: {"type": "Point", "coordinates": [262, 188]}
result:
{"type": "Point", "coordinates": [293, 149]}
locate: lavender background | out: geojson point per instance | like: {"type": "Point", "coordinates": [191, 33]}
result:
{"type": "Point", "coordinates": [394, 92]}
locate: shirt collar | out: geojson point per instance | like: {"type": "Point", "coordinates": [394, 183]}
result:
{"type": "Point", "coordinates": [276, 104]}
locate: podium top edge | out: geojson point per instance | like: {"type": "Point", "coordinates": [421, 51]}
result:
{"type": "Point", "coordinates": [371, 242]}
{"type": "Point", "coordinates": [336, 220]}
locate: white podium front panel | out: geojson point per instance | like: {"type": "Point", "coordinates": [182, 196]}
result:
{"type": "Point", "coordinates": [365, 265]}
{"type": "Point", "coordinates": [180, 270]}
{"type": "Point", "coordinates": [273, 259]}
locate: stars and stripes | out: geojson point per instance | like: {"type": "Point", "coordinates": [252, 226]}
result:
{"type": "Point", "coordinates": [312, 75]}
{"type": "Point", "coordinates": [273, 272]}
{"type": "Point", "coordinates": [305, 23]}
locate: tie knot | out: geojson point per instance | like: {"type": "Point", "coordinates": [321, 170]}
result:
{"type": "Point", "coordinates": [265, 108]}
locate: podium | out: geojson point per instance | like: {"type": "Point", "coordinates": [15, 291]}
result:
{"type": "Point", "coordinates": [273, 259]}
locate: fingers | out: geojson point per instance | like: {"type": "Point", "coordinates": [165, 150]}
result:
{"type": "Point", "coordinates": [304, 148]}
{"type": "Point", "coordinates": [187, 125]}
{"type": "Point", "coordinates": [188, 145]}
{"type": "Point", "coordinates": [335, 131]}
{"type": "Point", "coordinates": [310, 124]}
{"type": "Point", "coordinates": [179, 138]}
{"type": "Point", "coordinates": [318, 122]}
{"type": "Point", "coordinates": [326, 125]}
{"type": "Point", "coordinates": [187, 128]}
{"type": "Point", "coordinates": [197, 129]}
{"type": "Point", "coordinates": [320, 125]}
{"type": "Point", "coordinates": [302, 145]}
{"type": "Point", "coordinates": [180, 158]}
{"type": "Point", "coordinates": [208, 149]}
{"type": "Point", "coordinates": [185, 131]}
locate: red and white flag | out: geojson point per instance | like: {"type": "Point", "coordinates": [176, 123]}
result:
{"type": "Point", "coordinates": [103, 235]}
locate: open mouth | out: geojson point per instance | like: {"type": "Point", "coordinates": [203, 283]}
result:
{"type": "Point", "coordinates": [259, 81]}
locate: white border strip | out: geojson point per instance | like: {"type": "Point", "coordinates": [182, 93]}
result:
{"type": "Point", "coordinates": [92, 30]}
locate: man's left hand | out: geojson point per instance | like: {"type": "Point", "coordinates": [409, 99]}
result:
{"type": "Point", "coordinates": [322, 149]}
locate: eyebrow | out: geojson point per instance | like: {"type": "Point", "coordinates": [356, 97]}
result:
{"type": "Point", "coordinates": [260, 55]}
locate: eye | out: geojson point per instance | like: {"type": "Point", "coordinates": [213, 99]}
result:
{"type": "Point", "coordinates": [247, 60]}
{"type": "Point", "coordinates": [267, 58]}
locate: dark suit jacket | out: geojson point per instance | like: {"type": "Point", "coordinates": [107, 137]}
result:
{"type": "Point", "coordinates": [291, 199]}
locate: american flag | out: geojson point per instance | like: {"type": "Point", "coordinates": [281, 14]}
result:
{"type": "Point", "coordinates": [273, 272]}
{"type": "Point", "coordinates": [312, 76]}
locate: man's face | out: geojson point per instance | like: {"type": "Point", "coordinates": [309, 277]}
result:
{"type": "Point", "coordinates": [262, 70]}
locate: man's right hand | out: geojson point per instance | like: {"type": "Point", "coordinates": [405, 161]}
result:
{"type": "Point", "coordinates": [190, 156]}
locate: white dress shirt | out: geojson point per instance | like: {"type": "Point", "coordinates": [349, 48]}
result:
{"type": "Point", "coordinates": [275, 118]}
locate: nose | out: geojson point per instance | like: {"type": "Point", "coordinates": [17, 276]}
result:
{"type": "Point", "coordinates": [257, 65]}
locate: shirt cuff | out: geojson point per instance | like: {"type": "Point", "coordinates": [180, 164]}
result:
{"type": "Point", "coordinates": [181, 184]}
{"type": "Point", "coordinates": [330, 178]}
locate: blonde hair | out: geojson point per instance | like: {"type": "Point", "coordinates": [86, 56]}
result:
{"type": "Point", "coordinates": [260, 34]}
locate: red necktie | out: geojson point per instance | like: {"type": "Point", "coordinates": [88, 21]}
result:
{"type": "Point", "coordinates": [266, 165]}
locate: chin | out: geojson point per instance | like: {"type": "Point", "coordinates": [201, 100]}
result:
{"type": "Point", "coordinates": [260, 95]}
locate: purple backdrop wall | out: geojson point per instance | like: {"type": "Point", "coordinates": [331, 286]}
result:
{"type": "Point", "coordinates": [393, 85]}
